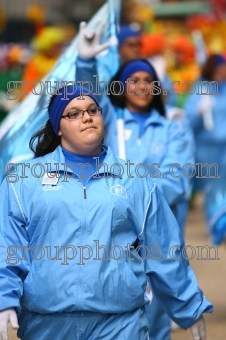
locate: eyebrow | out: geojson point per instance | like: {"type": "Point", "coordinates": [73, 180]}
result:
{"type": "Point", "coordinates": [145, 79]}
{"type": "Point", "coordinates": [76, 108]}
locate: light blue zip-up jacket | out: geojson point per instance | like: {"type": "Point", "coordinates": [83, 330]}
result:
{"type": "Point", "coordinates": [110, 212]}
{"type": "Point", "coordinates": [210, 144]}
{"type": "Point", "coordinates": [162, 141]}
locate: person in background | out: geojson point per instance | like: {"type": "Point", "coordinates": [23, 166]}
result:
{"type": "Point", "coordinates": [206, 111]}
{"type": "Point", "coordinates": [129, 43]}
{"type": "Point", "coordinates": [148, 137]}
{"type": "Point", "coordinates": [96, 297]}
{"type": "Point", "coordinates": [153, 47]}
{"type": "Point", "coordinates": [126, 47]}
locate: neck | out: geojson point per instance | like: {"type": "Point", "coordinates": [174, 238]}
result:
{"type": "Point", "coordinates": [84, 151]}
{"type": "Point", "coordinates": [132, 108]}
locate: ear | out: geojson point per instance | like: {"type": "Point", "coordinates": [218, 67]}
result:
{"type": "Point", "coordinates": [59, 133]}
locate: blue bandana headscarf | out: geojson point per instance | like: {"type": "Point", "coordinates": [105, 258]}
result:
{"type": "Point", "coordinates": [219, 60]}
{"type": "Point", "coordinates": [136, 66]}
{"type": "Point", "coordinates": [61, 100]}
{"type": "Point", "coordinates": [125, 32]}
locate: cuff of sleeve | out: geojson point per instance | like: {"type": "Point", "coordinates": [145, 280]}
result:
{"type": "Point", "coordinates": [9, 303]}
{"type": "Point", "coordinates": [206, 307]}
{"type": "Point", "coordinates": [84, 60]}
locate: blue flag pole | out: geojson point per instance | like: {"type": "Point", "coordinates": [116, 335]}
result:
{"type": "Point", "coordinates": [114, 7]}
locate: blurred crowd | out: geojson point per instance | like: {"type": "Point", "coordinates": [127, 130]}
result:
{"type": "Point", "coordinates": [31, 62]}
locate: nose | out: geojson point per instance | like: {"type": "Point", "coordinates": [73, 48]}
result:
{"type": "Point", "coordinates": [86, 117]}
{"type": "Point", "coordinates": [142, 86]}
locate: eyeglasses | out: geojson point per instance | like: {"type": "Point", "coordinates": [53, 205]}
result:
{"type": "Point", "coordinates": [93, 111]}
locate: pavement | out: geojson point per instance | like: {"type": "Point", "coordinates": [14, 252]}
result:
{"type": "Point", "coordinates": [211, 276]}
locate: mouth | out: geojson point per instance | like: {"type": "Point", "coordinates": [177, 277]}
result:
{"type": "Point", "coordinates": [89, 127]}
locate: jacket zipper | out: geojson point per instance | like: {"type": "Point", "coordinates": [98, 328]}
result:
{"type": "Point", "coordinates": [84, 222]}
{"type": "Point", "coordinates": [84, 191]}
{"type": "Point", "coordinates": [82, 234]}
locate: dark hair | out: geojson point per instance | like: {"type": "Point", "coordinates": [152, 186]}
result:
{"type": "Point", "coordinates": [120, 100]}
{"type": "Point", "coordinates": [44, 141]}
{"type": "Point", "coordinates": [209, 68]}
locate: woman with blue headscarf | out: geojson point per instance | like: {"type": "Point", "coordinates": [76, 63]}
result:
{"type": "Point", "coordinates": [137, 130]}
{"type": "Point", "coordinates": [73, 242]}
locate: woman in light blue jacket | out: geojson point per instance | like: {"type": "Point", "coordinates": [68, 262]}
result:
{"type": "Point", "coordinates": [149, 138]}
{"type": "Point", "coordinates": [78, 239]}
{"type": "Point", "coordinates": [206, 110]}
{"type": "Point", "coordinates": [137, 130]}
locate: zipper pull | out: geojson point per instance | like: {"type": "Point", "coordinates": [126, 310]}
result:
{"type": "Point", "coordinates": [84, 191]}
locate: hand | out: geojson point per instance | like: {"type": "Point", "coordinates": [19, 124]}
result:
{"type": "Point", "coordinates": [175, 113]}
{"type": "Point", "coordinates": [198, 329]}
{"type": "Point", "coordinates": [6, 316]}
{"type": "Point", "coordinates": [89, 41]}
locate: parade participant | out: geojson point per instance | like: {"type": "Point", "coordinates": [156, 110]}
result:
{"type": "Point", "coordinates": [153, 48]}
{"type": "Point", "coordinates": [69, 265]}
{"type": "Point", "coordinates": [148, 138]}
{"type": "Point", "coordinates": [128, 48]}
{"type": "Point", "coordinates": [206, 111]}
{"type": "Point", "coordinates": [129, 43]}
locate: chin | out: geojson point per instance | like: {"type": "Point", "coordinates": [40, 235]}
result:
{"type": "Point", "coordinates": [143, 101]}
{"type": "Point", "coordinates": [143, 106]}
{"type": "Point", "coordinates": [93, 141]}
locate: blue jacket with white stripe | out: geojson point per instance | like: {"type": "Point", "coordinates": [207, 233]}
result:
{"type": "Point", "coordinates": [66, 248]}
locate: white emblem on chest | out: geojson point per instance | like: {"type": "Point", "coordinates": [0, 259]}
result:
{"type": "Point", "coordinates": [158, 148]}
{"type": "Point", "coordinates": [118, 190]}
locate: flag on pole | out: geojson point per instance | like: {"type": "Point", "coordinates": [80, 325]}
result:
{"type": "Point", "coordinates": [31, 114]}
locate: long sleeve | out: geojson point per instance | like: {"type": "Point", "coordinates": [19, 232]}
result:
{"type": "Point", "coordinates": [14, 259]}
{"type": "Point", "coordinates": [172, 279]}
{"type": "Point", "coordinates": [163, 252]}
{"type": "Point", "coordinates": [85, 71]}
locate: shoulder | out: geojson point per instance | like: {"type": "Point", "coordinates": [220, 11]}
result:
{"type": "Point", "coordinates": [171, 128]}
{"type": "Point", "coordinates": [27, 173]}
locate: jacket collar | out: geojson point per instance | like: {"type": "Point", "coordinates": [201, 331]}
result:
{"type": "Point", "coordinates": [57, 156]}
{"type": "Point", "coordinates": [154, 117]}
